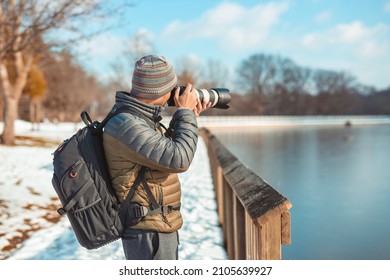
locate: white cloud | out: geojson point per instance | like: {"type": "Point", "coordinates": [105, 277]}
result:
{"type": "Point", "coordinates": [364, 50]}
{"type": "Point", "coordinates": [323, 16]}
{"type": "Point", "coordinates": [387, 7]}
{"type": "Point", "coordinates": [362, 40]}
{"type": "Point", "coordinates": [234, 26]}
{"type": "Point", "coordinates": [354, 32]}
{"type": "Point", "coordinates": [373, 49]}
{"type": "Point", "coordinates": [140, 44]}
{"type": "Point", "coordinates": [99, 53]}
{"type": "Point", "coordinates": [101, 46]}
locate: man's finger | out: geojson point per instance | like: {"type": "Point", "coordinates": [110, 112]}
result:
{"type": "Point", "coordinates": [177, 91]}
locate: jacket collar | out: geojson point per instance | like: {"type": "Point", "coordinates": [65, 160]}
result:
{"type": "Point", "coordinates": [152, 112]}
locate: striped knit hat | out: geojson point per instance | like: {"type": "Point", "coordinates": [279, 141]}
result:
{"type": "Point", "coordinates": [153, 77]}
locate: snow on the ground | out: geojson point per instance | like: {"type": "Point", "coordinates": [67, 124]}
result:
{"type": "Point", "coordinates": [30, 227]}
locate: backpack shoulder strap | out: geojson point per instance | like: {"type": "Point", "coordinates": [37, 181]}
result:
{"type": "Point", "coordinates": [135, 185]}
{"type": "Point", "coordinates": [122, 109]}
{"type": "Point", "coordinates": [98, 127]}
{"type": "Point", "coordinates": [140, 177]}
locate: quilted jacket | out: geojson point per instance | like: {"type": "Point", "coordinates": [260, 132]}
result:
{"type": "Point", "coordinates": [131, 141]}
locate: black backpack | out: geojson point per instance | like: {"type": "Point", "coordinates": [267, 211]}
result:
{"type": "Point", "coordinates": [82, 182]}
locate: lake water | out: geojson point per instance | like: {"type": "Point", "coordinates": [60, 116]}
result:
{"type": "Point", "coordinates": [337, 179]}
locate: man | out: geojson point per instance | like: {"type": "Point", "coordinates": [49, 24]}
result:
{"type": "Point", "coordinates": [137, 146]}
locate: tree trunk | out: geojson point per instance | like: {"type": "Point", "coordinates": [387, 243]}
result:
{"type": "Point", "coordinates": [12, 93]}
{"type": "Point", "coordinates": [35, 112]}
{"type": "Point", "coordinates": [10, 115]}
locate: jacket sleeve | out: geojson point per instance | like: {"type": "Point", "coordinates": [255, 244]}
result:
{"type": "Point", "coordinates": [148, 147]}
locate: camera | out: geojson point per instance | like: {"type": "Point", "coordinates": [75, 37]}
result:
{"type": "Point", "coordinates": [219, 97]}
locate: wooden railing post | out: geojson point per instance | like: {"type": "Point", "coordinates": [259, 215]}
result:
{"type": "Point", "coordinates": [286, 228]}
{"type": "Point", "coordinates": [255, 218]}
{"type": "Point", "coordinates": [251, 240]}
{"type": "Point", "coordinates": [239, 229]}
{"type": "Point", "coordinates": [219, 191]}
{"type": "Point", "coordinates": [228, 219]}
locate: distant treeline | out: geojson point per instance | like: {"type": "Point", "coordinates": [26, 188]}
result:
{"type": "Point", "coordinates": [264, 85]}
{"type": "Point", "coordinates": [273, 85]}
{"type": "Point", "coordinates": [324, 103]}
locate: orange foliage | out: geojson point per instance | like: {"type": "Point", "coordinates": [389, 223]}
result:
{"type": "Point", "coordinates": [36, 85]}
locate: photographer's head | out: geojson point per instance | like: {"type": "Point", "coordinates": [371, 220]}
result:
{"type": "Point", "coordinates": [153, 80]}
{"type": "Point", "coordinates": [155, 83]}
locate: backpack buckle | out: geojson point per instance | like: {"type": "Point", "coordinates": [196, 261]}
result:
{"type": "Point", "coordinates": [61, 211]}
{"type": "Point", "coordinates": [140, 211]}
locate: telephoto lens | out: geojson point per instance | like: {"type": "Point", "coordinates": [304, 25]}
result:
{"type": "Point", "coordinates": [219, 97]}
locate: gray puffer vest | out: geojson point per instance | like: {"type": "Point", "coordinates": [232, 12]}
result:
{"type": "Point", "coordinates": [130, 142]}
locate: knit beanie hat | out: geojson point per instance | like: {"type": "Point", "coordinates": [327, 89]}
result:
{"type": "Point", "coordinates": [153, 77]}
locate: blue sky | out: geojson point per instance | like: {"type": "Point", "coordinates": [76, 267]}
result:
{"type": "Point", "coordinates": [341, 35]}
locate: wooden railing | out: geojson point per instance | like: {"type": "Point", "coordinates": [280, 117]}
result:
{"type": "Point", "coordinates": [255, 218]}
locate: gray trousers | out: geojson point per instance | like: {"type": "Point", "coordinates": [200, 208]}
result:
{"type": "Point", "coordinates": [150, 245]}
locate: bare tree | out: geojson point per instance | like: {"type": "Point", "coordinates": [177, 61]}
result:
{"type": "Point", "coordinates": [256, 76]}
{"type": "Point", "coordinates": [70, 88]}
{"type": "Point", "coordinates": [187, 70]}
{"type": "Point", "coordinates": [22, 25]}
{"type": "Point", "coordinates": [215, 74]}
{"type": "Point", "coordinates": [121, 79]}
{"type": "Point", "coordinates": [258, 73]}
{"type": "Point", "coordinates": [287, 87]}
{"type": "Point", "coordinates": [138, 45]}
{"type": "Point", "coordinates": [336, 92]}
{"type": "Point", "coordinates": [276, 85]}
{"type": "Point", "coordinates": [35, 89]}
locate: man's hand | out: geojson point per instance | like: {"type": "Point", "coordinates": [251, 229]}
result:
{"type": "Point", "coordinates": [201, 106]}
{"type": "Point", "coordinates": [188, 99]}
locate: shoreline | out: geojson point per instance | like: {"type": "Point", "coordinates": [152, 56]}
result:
{"type": "Point", "coordinates": [53, 136]}
{"type": "Point", "coordinates": [254, 122]}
